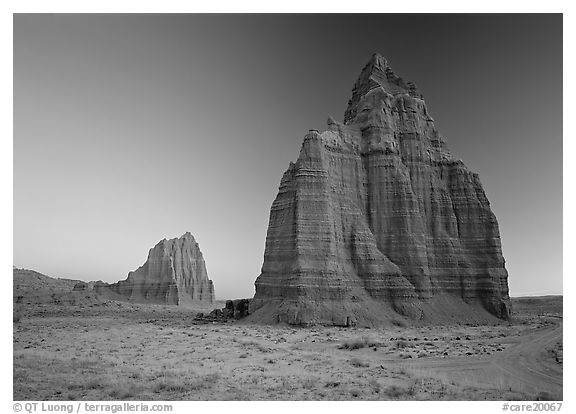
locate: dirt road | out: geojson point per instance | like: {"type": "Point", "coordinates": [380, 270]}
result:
{"type": "Point", "coordinates": [524, 366]}
{"type": "Point", "coordinates": [526, 363]}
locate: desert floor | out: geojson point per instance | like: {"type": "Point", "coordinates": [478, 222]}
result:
{"type": "Point", "coordinates": [120, 351]}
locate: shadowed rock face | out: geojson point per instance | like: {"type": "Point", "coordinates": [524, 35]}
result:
{"type": "Point", "coordinates": [174, 274]}
{"type": "Point", "coordinates": [376, 220]}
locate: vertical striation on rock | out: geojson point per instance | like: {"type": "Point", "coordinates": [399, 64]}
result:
{"type": "Point", "coordinates": [173, 274]}
{"type": "Point", "coordinates": [376, 220]}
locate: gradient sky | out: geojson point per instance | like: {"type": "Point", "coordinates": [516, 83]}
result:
{"type": "Point", "coordinates": [132, 128]}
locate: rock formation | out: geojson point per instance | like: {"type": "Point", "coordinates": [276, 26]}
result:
{"type": "Point", "coordinates": [174, 274]}
{"type": "Point", "coordinates": [377, 221]}
{"type": "Point", "coordinates": [234, 309]}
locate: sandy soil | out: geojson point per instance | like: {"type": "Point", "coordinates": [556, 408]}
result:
{"type": "Point", "coordinates": [118, 351]}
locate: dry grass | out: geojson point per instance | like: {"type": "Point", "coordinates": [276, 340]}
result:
{"type": "Point", "coordinates": [355, 362]}
{"type": "Point", "coordinates": [115, 353]}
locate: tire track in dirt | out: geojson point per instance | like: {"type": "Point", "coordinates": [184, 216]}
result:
{"type": "Point", "coordinates": [525, 363]}
{"type": "Point", "coordinates": [524, 366]}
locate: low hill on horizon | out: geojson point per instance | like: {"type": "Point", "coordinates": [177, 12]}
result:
{"type": "Point", "coordinates": [32, 287]}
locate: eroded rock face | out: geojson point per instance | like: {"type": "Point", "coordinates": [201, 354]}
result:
{"type": "Point", "coordinates": [174, 274]}
{"type": "Point", "coordinates": [377, 220]}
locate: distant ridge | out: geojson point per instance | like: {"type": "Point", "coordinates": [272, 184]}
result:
{"type": "Point", "coordinates": [31, 287]}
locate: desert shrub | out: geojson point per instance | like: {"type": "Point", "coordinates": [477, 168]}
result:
{"type": "Point", "coordinates": [17, 316]}
{"type": "Point", "coordinates": [375, 385]}
{"type": "Point", "coordinates": [396, 391]}
{"type": "Point", "coordinates": [309, 383]}
{"type": "Point", "coordinates": [351, 344]}
{"type": "Point", "coordinates": [123, 391]}
{"type": "Point", "coordinates": [172, 385]}
{"type": "Point", "coordinates": [400, 323]}
{"type": "Point", "coordinates": [416, 385]}
{"type": "Point", "coordinates": [93, 383]}
{"type": "Point", "coordinates": [181, 381]}
{"type": "Point", "coordinates": [211, 378]}
{"type": "Point", "coordinates": [358, 343]}
{"type": "Point", "coordinates": [402, 344]}
{"type": "Point", "coordinates": [544, 396]}
{"type": "Point", "coordinates": [256, 345]}
{"type": "Point", "coordinates": [135, 375]}
{"type": "Point", "coordinates": [355, 362]}
{"type": "Point", "coordinates": [287, 384]}
{"type": "Point", "coordinates": [370, 342]}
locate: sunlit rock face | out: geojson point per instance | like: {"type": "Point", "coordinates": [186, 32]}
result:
{"type": "Point", "coordinates": [377, 221]}
{"type": "Point", "coordinates": [174, 274]}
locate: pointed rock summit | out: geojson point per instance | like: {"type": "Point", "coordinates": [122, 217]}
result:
{"type": "Point", "coordinates": [378, 74]}
{"type": "Point", "coordinates": [174, 274]}
{"type": "Point", "coordinates": [377, 223]}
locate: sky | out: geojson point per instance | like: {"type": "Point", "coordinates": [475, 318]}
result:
{"type": "Point", "coordinates": [133, 128]}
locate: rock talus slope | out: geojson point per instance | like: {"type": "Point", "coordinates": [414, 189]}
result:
{"type": "Point", "coordinates": [377, 221]}
{"type": "Point", "coordinates": [173, 274]}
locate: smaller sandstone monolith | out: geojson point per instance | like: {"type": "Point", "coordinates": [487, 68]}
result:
{"type": "Point", "coordinates": [173, 274]}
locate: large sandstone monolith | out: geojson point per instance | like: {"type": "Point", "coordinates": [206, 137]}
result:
{"type": "Point", "coordinates": [377, 221]}
{"type": "Point", "coordinates": [174, 274]}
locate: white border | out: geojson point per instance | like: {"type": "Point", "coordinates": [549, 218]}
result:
{"type": "Point", "coordinates": [167, 6]}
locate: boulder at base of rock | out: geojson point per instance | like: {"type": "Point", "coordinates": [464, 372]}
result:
{"type": "Point", "coordinates": [234, 309]}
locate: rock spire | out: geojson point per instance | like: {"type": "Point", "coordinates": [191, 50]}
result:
{"type": "Point", "coordinates": [173, 274]}
{"type": "Point", "coordinates": [377, 221]}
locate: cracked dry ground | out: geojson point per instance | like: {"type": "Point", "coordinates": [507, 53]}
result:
{"type": "Point", "coordinates": [136, 352]}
